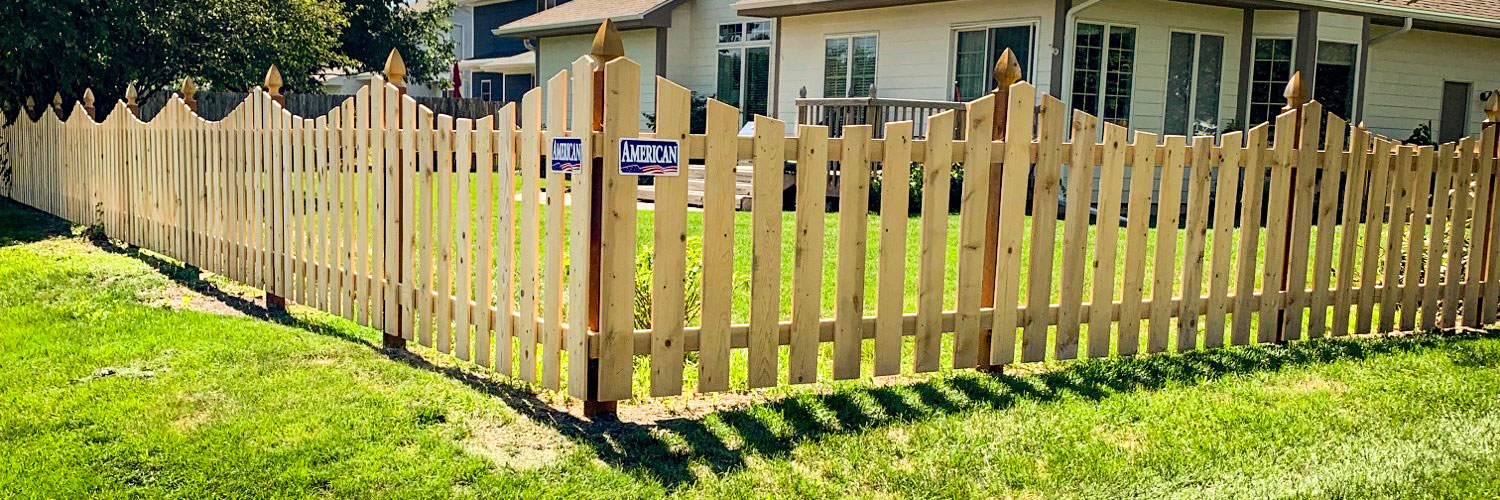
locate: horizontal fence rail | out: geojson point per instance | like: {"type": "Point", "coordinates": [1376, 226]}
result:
{"type": "Point", "coordinates": [449, 232]}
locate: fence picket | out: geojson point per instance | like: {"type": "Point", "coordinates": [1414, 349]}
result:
{"type": "Point", "coordinates": [1111, 193]}
{"type": "Point", "coordinates": [1075, 234]}
{"type": "Point", "coordinates": [1375, 216]}
{"type": "Point", "coordinates": [1477, 311]}
{"type": "Point", "coordinates": [807, 276]}
{"type": "Point", "coordinates": [579, 214]}
{"type": "Point", "coordinates": [1278, 210]}
{"type": "Point", "coordinates": [854, 196]}
{"type": "Point", "coordinates": [1327, 208]}
{"type": "Point", "coordinates": [1048, 172]}
{"type": "Point", "coordinates": [1350, 261]}
{"type": "Point", "coordinates": [669, 268]}
{"type": "Point", "coordinates": [895, 176]}
{"type": "Point", "coordinates": [1458, 218]}
{"type": "Point", "coordinates": [622, 82]}
{"type": "Point", "coordinates": [484, 243]}
{"type": "Point", "coordinates": [527, 264]}
{"type": "Point", "coordinates": [719, 163]}
{"type": "Point", "coordinates": [552, 269]}
{"type": "Point", "coordinates": [1401, 194]}
{"type": "Point", "coordinates": [1432, 278]}
{"type": "Point", "coordinates": [932, 266]}
{"type": "Point", "coordinates": [1138, 219]}
{"type": "Point", "coordinates": [1226, 194]}
{"type": "Point", "coordinates": [1168, 213]}
{"type": "Point", "coordinates": [1427, 167]}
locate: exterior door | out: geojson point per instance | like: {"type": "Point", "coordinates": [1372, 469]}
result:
{"type": "Point", "coordinates": [1455, 119]}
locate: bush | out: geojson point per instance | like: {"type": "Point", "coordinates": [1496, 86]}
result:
{"type": "Point", "coordinates": [693, 284]}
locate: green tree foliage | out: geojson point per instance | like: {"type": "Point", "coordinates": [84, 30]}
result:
{"type": "Point", "coordinates": [50, 46]}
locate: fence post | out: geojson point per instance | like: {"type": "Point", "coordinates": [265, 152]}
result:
{"type": "Point", "coordinates": [395, 72]}
{"type": "Point", "coordinates": [131, 96]}
{"type": "Point", "coordinates": [1491, 120]}
{"type": "Point", "coordinates": [275, 304]}
{"type": "Point", "coordinates": [88, 103]}
{"type": "Point", "coordinates": [1296, 96]}
{"type": "Point", "coordinates": [1007, 72]}
{"type": "Point", "coordinates": [607, 47]}
{"type": "Point", "coordinates": [190, 89]}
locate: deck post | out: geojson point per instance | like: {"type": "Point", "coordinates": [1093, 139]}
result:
{"type": "Point", "coordinates": [607, 47]}
{"type": "Point", "coordinates": [1296, 96]}
{"type": "Point", "coordinates": [1007, 72]}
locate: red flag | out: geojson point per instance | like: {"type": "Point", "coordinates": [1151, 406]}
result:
{"type": "Point", "coordinates": [458, 82]}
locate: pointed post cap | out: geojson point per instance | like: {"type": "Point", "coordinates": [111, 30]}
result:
{"type": "Point", "coordinates": [189, 89]}
{"type": "Point", "coordinates": [273, 80]}
{"type": "Point", "coordinates": [57, 100]}
{"type": "Point", "coordinates": [30, 103]}
{"type": "Point", "coordinates": [1492, 107]}
{"type": "Point", "coordinates": [395, 68]}
{"type": "Point", "coordinates": [130, 93]}
{"type": "Point", "coordinates": [1296, 92]}
{"type": "Point", "coordinates": [607, 44]}
{"type": "Point", "coordinates": [88, 98]}
{"type": "Point", "coordinates": [1007, 70]}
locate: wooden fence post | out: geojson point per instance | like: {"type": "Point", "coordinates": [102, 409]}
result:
{"type": "Point", "coordinates": [275, 304]}
{"type": "Point", "coordinates": [395, 72]}
{"type": "Point", "coordinates": [190, 89]}
{"type": "Point", "coordinates": [607, 47]}
{"type": "Point", "coordinates": [131, 96]}
{"type": "Point", "coordinates": [57, 105]}
{"type": "Point", "coordinates": [88, 103]}
{"type": "Point", "coordinates": [1007, 72]}
{"type": "Point", "coordinates": [1296, 96]}
{"type": "Point", "coordinates": [1491, 120]}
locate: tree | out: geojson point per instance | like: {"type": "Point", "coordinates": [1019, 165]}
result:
{"type": "Point", "coordinates": [66, 46]}
{"type": "Point", "coordinates": [419, 32]}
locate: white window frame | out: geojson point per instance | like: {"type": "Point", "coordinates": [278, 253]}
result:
{"type": "Point", "coordinates": [1193, 98]}
{"type": "Point", "coordinates": [849, 67]}
{"type": "Point", "coordinates": [1104, 69]}
{"type": "Point", "coordinates": [742, 46]}
{"type": "Point", "coordinates": [1355, 90]}
{"type": "Point", "coordinates": [954, 30]}
{"type": "Point", "coordinates": [1249, 98]}
{"type": "Point", "coordinates": [486, 89]}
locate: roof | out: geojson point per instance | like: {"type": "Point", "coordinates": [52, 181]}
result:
{"type": "Point", "coordinates": [1431, 14]}
{"type": "Point", "coordinates": [584, 16]}
{"type": "Point", "coordinates": [519, 63]}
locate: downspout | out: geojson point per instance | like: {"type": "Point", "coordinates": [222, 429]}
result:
{"type": "Point", "coordinates": [1364, 61]}
{"type": "Point", "coordinates": [1405, 28]}
{"type": "Point", "coordinates": [1069, 33]}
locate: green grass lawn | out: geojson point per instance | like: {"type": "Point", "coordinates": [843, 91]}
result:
{"type": "Point", "coordinates": [116, 382]}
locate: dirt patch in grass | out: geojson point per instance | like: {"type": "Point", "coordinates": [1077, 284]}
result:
{"type": "Point", "coordinates": [1313, 384]}
{"type": "Point", "coordinates": [180, 298]}
{"type": "Point", "coordinates": [519, 444]}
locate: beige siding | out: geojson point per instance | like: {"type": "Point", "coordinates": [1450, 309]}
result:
{"type": "Point", "coordinates": [558, 53]}
{"type": "Point", "coordinates": [1405, 82]}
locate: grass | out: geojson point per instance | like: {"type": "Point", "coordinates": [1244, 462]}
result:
{"type": "Point", "coordinates": [113, 384]}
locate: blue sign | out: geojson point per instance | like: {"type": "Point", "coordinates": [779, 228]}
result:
{"type": "Point", "coordinates": [567, 155]}
{"type": "Point", "coordinates": [649, 157]}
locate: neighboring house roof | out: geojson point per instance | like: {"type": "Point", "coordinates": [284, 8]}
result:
{"type": "Point", "coordinates": [524, 62]}
{"type": "Point", "coordinates": [584, 16]}
{"type": "Point", "coordinates": [1433, 14]}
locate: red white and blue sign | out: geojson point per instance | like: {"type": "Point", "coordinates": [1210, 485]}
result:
{"type": "Point", "coordinates": [654, 157]}
{"type": "Point", "coordinates": [567, 155]}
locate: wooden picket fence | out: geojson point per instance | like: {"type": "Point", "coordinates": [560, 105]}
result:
{"type": "Point", "coordinates": [370, 212]}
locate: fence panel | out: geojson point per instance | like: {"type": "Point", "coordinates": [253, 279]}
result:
{"type": "Point", "coordinates": [413, 222]}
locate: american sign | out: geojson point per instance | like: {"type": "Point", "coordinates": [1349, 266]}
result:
{"type": "Point", "coordinates": [567, 154]}
{"type": "Point", "coordinates": [654, 157]}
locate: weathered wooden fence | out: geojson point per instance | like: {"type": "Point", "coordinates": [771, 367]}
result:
{"type": "Point", "coordinates": [370, 213]}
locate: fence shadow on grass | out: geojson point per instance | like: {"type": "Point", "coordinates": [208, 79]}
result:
{"type": "Point", "coordinates": [23, 224]}
{"type": "Point", "coordinates": [677, 451]}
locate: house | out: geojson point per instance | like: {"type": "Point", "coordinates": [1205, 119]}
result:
{"type": "Point", "coordinates": [491, 67]}
{"type": "Point", "coordinates": [1169, 66]}
{"type": "Point", "coordinates": [700, 44]}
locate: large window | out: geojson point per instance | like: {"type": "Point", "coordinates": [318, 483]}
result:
{"type": "Point", "coordinates": [1194, 66]}
{"type": "Point", "coordinates": [745, 66]}
{"type": "Point", "coordinates": [1334, 86]}
{"type": "Point", "coordinates": [976, 50]}
{"type": "Point", "coordinates": [1104, 71]}
{"type": "Point", "coordinates": [849, 65]}
{"type": "Point", "coordinates": [1268, 77]}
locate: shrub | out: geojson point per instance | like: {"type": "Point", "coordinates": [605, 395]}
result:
{"type": "Point", "coordinates": [693, 284]}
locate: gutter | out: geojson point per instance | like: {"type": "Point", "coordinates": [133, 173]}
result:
{"type": "Point", "coordinates": [1405, 28]}
{"type": "Point", "coordinates": [1403, 12]}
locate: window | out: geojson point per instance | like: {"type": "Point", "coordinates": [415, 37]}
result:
{"type": "Point", "coordinates": [745, 66]}
{"type": "Point", "coordinates": [849, 66]}
{"type": "Point", "coordinates": [1194, 66]}
{"type": "Point", "coordinates": [1334, 85]}
{"type": "Point", "coordinates": [1104, 71]}
{"type": "Point", "coordinates": [976, 51]}
{"type": "Point", "coordinates": [1268, 77]}
{"type": "Point", "coordinates": [484, 90]}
